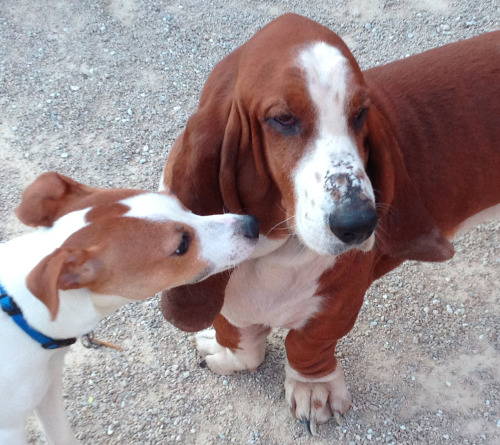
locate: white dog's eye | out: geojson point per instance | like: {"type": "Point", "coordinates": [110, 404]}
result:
{"type": "Point", "coordinates": [184, 244]}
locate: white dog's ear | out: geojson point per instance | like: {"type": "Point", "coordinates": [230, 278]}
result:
{"type": "Point", "coordinates": [50, 196]}
{"type": "Point", "coordinates": [65, 268]}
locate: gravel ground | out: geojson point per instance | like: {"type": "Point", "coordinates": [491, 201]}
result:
{"type": "Point", "coordinates": [99, 89]}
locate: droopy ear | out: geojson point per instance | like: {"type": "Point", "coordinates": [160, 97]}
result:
{"type": "Point", "coordinates": [193, 165]}
{"type": "Point", "coordinates": [245, 181]}
{"type": "Point", "coordinates": [407, 230]}
{"type": "Point", "coordinates": [192, 174]}
{"type": "Point", "coordinates": [65, 268]}
{"type": "Point", "coordinates": [194, 307]}
{"type": "Point", "coordinates": [48, 198]}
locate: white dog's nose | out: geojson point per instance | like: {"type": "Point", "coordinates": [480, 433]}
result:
{"type": "Point", "coordinates": [250, 226]}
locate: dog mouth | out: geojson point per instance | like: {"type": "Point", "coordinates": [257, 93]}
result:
{"type": "Point", "coordinates": [205, 273]}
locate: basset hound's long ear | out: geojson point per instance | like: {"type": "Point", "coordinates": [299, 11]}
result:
{"type": "Point", "coordinates": [193, 165]}
{"type": "Point", "coordinates": [406, 229]}
{"type": "Point", "coordinates": [246, 184]}
{"type": "Point", "coordinates": [49, 197]}
{"type": "Point", "coordinates": [192, 173]}
{"type": "Point", "coordinates": [194, 307]}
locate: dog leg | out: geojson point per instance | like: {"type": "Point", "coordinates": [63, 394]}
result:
{"type": "Point", "coordinates": [51, 411]}
{"type": "Point", "coordinates": [223, 355]}
{"type": "Point", "coordinates": [315, 385]}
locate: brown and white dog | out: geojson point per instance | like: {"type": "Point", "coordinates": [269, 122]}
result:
{"type": "Point", "coordinates": [349, 173]}
{"type": "Point", "coordinates": [94, 251]}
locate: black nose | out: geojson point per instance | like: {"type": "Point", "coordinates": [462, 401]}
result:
{"type": "Point", "coordinates": [250, 226]}
{"type": "Point", "coordinates": [354, 223]}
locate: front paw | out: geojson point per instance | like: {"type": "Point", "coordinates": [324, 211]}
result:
{"type": "Point", "coordinates": [317, 400]}
{"type": "Point", "coordinates": [222, 360]}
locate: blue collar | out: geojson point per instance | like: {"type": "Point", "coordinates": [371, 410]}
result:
{"type": "Point", "coordinates": [11, 308]}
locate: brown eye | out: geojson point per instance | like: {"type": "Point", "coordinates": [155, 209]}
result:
{"type": "Point", "coordinates": [359, 119]}
{"type": "Point", "coordinates": [286, 124]}
{"type": "Point", "coordinates": [183, 245]}
{"type": "Point", "coordinates": [287, 120]}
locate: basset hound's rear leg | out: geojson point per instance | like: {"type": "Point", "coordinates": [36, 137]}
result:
{"type": "Point", "coordinates": [227, 349]}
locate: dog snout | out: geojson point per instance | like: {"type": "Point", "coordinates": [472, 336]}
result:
{"type": "Point", "coordinates": [353, 223]}
{"type": "Point", "coordinates": [249, 226]}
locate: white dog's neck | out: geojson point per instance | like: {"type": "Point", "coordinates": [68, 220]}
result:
{"type": "Point", "coordinates": [79, 310]}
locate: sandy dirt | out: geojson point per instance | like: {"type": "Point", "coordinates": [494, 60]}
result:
{"type": "Point", "coordinates": [99, 89]}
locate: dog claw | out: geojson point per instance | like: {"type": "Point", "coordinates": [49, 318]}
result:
{"type": "Point", "coordinates": [313, 427]}
{"type": "Point", "coordinates": [307, 426]}
{"type": "Point", "coordinates": [338, 418]}
{"type": "Point", "coordinates": [203, 364]}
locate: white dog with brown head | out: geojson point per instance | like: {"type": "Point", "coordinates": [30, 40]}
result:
{"type": "Point", "coordinates": [94, 251]}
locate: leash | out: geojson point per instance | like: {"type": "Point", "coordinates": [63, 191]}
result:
{"type": "Point", "coordinates": [10, 307]}
{"type": "Point", "coordinates": [89, 341]}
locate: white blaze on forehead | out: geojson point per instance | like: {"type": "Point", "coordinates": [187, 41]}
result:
{"type": "Point", "coordinates": [156, 207]}
{"type": "Point", "coordinates": [327, 72]}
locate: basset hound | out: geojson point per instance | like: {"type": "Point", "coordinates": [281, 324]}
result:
{"type": "Point", "coordinates": [349, 173]}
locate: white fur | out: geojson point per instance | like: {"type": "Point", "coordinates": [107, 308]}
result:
{"type": "Point", "coordinates": [331, 153]}
{"type": "Point", "coordinates": [161, 185]}
{"type": "Point", "coordinates": [248, 356]}
{"type": "Point", "coordinates": [30, 376]}
{"type": "Point", "coordinates": [282, 291]}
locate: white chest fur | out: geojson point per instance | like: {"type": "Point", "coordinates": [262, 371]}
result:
{"type": "Point", "coordinates": [277, 289]}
